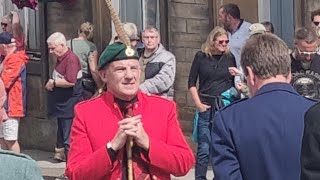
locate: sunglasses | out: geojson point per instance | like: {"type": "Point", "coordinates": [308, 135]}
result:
{"type": "Point", "coordinates": [221, 42]}
{"type": "Point", "coordinates": [305, 53]}
{"type": "Point", "coordinates": [316, 23]}
{"type": "Point", "coordinates": [4, 24]}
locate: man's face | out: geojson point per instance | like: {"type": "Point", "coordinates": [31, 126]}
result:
{"type": "Point", "coordinates": [224, 19]}
{"type": "Point", "coordinates": [305, 52]}
{"type": "Point", "coordinates": [150, 39]}
{"type": "Point", "coordinates": [122, 78]}
{"type": "Point", "coordinates": [316, 21]}
{"type": "Point", "coordinates": [56, 49]}
{"type": "Point", "coordinates": [5, 25]}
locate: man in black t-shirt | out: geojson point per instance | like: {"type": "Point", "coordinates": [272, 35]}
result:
{"type": "Point", "coordinates": [305, 65]}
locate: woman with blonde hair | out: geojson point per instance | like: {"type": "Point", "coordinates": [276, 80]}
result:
{"type": "Point", "coordinates": [216, 87]}
{"type": "Point", "coordinates": [88, 55]}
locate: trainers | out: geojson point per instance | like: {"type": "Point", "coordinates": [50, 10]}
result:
{"type": "Point", "coordinates": [62, 177]}
{"type": "Point", "coordinates": [59, 155]}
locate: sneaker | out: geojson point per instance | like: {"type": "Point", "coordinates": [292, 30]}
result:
{"type": "Point", "coordinates": [62, 177]}
{"type": "Point", "coordinates": [59, 155]}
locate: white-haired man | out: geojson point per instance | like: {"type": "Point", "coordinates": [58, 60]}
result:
{"type": "Point", "coordinates": [64, 87]}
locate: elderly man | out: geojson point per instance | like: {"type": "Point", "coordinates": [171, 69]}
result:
{"type": "Point", "coordinates": [13, 74]}
{"type": "Point", "coordinates": [159, 65]}
{"type": "Point", "coordinates": [260, 137]}
{"type": "Point", "coordinates": [64, 87]}
{"type": "Point", "coordinates": [102, 127]}
{"type": "Point", "coordinates": [11, 23]}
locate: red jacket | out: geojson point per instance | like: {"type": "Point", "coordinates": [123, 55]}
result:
{"type": "Point", "coordinates": [95, 124]}
{"type": "Point", "coordinates": [14, 76]}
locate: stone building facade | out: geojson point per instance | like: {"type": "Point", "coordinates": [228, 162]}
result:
{"type": "Point", "coordinates": [184, 26]}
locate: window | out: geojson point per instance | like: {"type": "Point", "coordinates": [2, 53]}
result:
{"type": "Point", "coordinates": [29, 20]}
{"type": "Point", "coordinates": [140, 12]}
{"type": "Point", "coordinates": [32, 29]}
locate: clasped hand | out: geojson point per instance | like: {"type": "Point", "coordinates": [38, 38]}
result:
{"type": "Point", "coordinates": [130, 127]}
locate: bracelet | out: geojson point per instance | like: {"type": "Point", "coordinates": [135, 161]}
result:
{"type": "Point", "coordinates": [54, 83]}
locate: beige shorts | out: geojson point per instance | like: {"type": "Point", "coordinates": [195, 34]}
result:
{"type": "Point", "coordinates": [9, 129]}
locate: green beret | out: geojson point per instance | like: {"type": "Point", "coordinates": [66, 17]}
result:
{"type": "Point", "coordinates": [116, 52]}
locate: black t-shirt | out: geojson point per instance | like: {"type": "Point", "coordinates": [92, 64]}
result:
{"type": "Point", "coordinates": [314, 66]}
{"type": "Point", "coordinates": [213, 73]}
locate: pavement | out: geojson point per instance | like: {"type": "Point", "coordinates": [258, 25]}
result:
{"type": "Point", "coordinates": [52, 169]}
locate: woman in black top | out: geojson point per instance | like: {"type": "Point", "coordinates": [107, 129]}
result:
{"type": "Point", "coordinates": [210, 65]}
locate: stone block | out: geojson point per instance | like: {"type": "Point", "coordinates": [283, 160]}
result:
{"type": "Point", "coordinates": [36, 133]}
{"type": "Point", "coordinates": [178, 25]}
{"type": "Point", "coordinates": [192, 11]}
{"type": "Point", "coordinates": [205, 2]}
{"type": "Point", "coordinates": [36, 98]}
{"type": "Point", "coordinates": [181, 83]}
{"type": "Point", "coordinates": [186, 40]}
{"type": "Point", "coordinates": [180, 54]}
{"type": "Point", "coordinates": [183, 69]}
{"type": "Point", "coordinates": [180, 97]}
{"type": "Point", "coordinates": [198, 26]}
{"type": "Point", "coordinates": [184, 1]}
{"type": "Point", "coordinates": [186, 126]}
{"type": "Point", "coordinates": [190, 53]}
{"type": "Point", "coordinates": [186, 113]}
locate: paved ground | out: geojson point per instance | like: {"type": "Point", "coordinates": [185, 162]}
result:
{"type": "Point", "coordinates": [52, 169]}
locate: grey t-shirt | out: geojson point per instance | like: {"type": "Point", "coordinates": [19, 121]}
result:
{"type": "Point", "coordinates": [82, 48]}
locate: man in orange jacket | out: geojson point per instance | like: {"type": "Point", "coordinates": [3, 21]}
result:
{"type": "Point", "coordinates": [102, 126]}
{"type": "Point", "coordinates": [14, 78]}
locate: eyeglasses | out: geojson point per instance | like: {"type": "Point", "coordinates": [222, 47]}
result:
{"type": "Point", "coordinates": [316, 23]}
{"type": "Point", "coordinates": [222, 41]}
{"type": "Point", "coordinates": [306, 53]}
{"type": "Point", "coordinates": [151, 37]}
{"type": "Point", "coordinates": [4, 24]}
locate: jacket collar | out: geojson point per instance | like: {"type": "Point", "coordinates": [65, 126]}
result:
{"type": "Point", "coordinates": [276, 87]}
{"type": "Point", "coordinates": [109, 98]}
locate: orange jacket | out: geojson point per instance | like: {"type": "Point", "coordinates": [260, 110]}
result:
{"type": "Point", "coordinates": [96, 123]}
{"type": "Point", "coordinates": [14, 78]}
{"type": "Point", "coordinates": [3, 97]}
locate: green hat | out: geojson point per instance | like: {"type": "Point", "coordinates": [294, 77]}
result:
{"type": "Point", "coordinates": [116, 52]}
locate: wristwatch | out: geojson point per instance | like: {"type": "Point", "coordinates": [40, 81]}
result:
{"type": "Point", "coordinates": [54, 83]}
{"type": "Point", "coordinates": [112, 153]}
{"type": "Point", "coordinates": [109, 145]}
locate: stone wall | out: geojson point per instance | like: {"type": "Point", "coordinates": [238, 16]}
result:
{"type": "Point", "coordinates": [36, 130]}
{"type": "Point", "coordinates": [189, 25]}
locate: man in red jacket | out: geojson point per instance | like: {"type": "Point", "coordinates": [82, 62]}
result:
{"type": "Point", "coordinates": [13, 74]}
{"type": "Point", "coordinates": [102, 126]}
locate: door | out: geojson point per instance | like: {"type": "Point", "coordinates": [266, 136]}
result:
{"type": "Point", "coordinates": [283, 19]}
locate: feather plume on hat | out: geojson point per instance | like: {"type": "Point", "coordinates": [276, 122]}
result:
{"type": "Point", "coordinates": [119, 28]}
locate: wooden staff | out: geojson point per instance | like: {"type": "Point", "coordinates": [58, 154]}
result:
{"type": "Point", "coordinates": [129, 145]}
{"type": "Point", "coordinates": [129, 157]}
{"type": "Point", "coordinates": [125, 39]}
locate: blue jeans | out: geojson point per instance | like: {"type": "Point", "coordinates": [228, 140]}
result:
{"type": "Point", "coordinates": [205, 122]}
{"type": "Point", "coordinates": [63, 133]}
